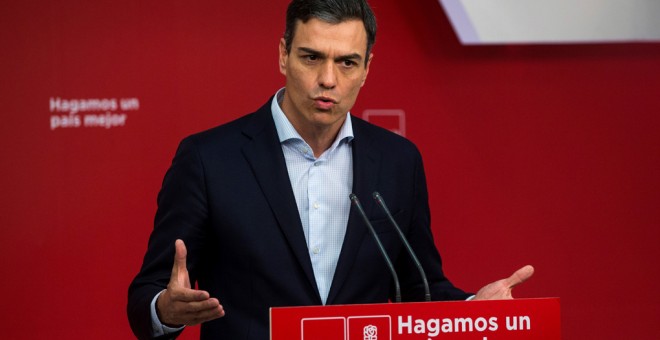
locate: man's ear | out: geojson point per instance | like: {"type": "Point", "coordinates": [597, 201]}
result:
{"type": "Point", "coordinates": [366, 71]}
{"type": "Point", "coordinates": [284, 56]}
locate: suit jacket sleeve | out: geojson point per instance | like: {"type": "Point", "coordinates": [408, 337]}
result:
{"type": "Point", "coordinates": [182, 213]}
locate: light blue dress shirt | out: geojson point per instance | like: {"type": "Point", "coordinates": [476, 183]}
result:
{"type": "Point", "coordinates": [321, 187]}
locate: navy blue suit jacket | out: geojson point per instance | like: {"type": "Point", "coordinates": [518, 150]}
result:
{"type": "Point", "coordinates": [227, 194]}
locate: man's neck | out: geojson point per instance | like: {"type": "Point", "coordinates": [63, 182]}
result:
{"type": "Point", "coordinates": [319, 138]}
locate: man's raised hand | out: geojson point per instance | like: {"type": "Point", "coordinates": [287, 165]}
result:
{"type": "Point", "coordinates": [180, 304]}
{"type": "Point", "coordinates": [501, 290]}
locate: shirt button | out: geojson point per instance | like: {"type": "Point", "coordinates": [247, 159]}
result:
{"type": "Point", "coordinates": [316, 205]}
{"type": "Point", "coordinates": [316, 250]}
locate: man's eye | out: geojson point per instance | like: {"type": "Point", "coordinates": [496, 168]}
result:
{"type": "Point", "coordinates": [348, 63]}
{"type": "Point", "coordinates": [312, 57]}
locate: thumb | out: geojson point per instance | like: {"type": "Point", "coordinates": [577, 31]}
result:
{"type": "Point", "coordinates": [179, 269]}
{"type": "Point", "coordinates": [521, 275]}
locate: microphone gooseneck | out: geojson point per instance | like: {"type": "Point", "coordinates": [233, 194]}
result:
{"type": "Point", "coordinates": [358, 206]}
{"type": "Point", "coordinates": [381, 203]}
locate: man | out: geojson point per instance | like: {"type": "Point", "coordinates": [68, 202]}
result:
{"type": "Point", "coordinates": [257, 213]}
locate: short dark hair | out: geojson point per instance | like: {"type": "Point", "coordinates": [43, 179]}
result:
{"type": "Point", "coordinates": [330, 11]}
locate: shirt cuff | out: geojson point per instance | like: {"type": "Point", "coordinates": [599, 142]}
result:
{"type": "Point", "coordinates": [157, 328]}
{"type": "Point", "coordinates": [470, 298]}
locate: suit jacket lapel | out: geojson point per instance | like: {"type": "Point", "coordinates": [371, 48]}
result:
{"type": "Point", "coordinates": [265, 156]}
{"type": "Point", "coordinates": [366, 162]}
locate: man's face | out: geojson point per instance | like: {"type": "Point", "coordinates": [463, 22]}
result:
{"type": "Point", "coordinates": [324, 73]}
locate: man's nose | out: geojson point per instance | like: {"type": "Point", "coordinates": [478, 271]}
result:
{"type": "Point", "coordinates": [328, 75]}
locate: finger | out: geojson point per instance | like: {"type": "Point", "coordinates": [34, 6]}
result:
{"type": "Point", "coordinates": [197, 307]}
{"type": "Point", "coordinates": [179, 269]}
{"type": "Point", "coordinates": [180, 255]}
{"type": "Point", "coordinates": [521, 275]}
{"type": "Point", "coordinates": [192, 313]}
{"type": "Point", "coordinates": [205, 315]}
{"type": "Point", "coordinates": [188, 295]}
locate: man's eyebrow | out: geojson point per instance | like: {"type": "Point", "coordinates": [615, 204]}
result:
{"type": "Point", "coordinates": [311, 51]}
{"type": "Point", "coordinates": [353, 56]}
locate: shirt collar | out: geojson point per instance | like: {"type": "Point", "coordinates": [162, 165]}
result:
{"type": "Point", "coordinates": [286, 131]}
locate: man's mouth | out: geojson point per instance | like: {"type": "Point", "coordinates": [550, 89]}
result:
{"type": "Point", "coordinates": [324, 103]}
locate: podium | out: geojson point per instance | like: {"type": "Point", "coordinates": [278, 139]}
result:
{"type": "Point", "coordinates": [473, 320]}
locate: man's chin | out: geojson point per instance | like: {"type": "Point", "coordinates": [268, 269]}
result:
{"type": "Point", "coordinates": [322, 118]}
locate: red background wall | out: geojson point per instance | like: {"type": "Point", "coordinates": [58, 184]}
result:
{"type": "Point", "coordinates": [546, 155]}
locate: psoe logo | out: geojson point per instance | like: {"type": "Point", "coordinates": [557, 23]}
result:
{"type": "Point", "coordinates": [370, 327]}
{"type": "Point", "coordinates": [370, 332]}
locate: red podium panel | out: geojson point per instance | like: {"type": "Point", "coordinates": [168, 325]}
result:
{"type": "Point", "coordinates": [474, 320]}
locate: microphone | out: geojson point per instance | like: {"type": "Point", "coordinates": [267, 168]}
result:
{"type": "Point", "coordinates": [397, 287]}
{"type": "Point", "coordinates": [381, 203]}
